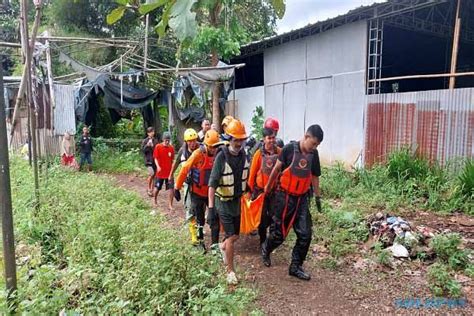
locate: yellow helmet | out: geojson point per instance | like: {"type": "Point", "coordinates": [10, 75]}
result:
{"type": "Point", "coordinates": [190, 134]}
{"type": "Point", "coordinates": [211, 138]}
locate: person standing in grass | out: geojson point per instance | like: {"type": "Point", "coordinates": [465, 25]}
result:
{"type": "Point", "coordinates": [67, 151]}
{"type": "Point", "coordinates": [148, 146]}
{"type": "Point", "coordinates": [85, 145]}
{"type": "Point", "coordinates": [228, 181]}
{"type": "Point", "coordinates": [296, 169]}
{"type": "Point", "coordinates": [163, 156]}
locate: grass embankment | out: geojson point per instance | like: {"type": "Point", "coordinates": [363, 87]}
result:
{"type": "Point", "coordinates": [93, 248]}
{"type": "Point", "coordinates": [404, 184]}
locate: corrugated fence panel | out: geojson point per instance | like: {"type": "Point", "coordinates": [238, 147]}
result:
{"type": "Point", "coordinates": [437, 125]}
{"type": "Point", "coordinates": [64, 117]}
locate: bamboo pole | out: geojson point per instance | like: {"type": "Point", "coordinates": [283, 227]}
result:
{"type": "Point", "coordinates": [145, 48]}
{"type": "Point", "coordinates": [11, 45]}
{"type": "Point", "coordinates": [454, 54]}
{"type": "Point", "coordinates": [430, 76]}
{"type": "Point", "coordinates": [28, 49]}
{"type": "Point", "coordinates": [52, 99]}
{"type": "Point", "coordinates": [21, 89]}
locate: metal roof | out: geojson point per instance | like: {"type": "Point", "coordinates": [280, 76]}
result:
{"type": "Point", "coordinates": [376, 10]}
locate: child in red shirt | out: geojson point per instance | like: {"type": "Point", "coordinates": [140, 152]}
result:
{"type": "Point", "coordinates": [163, 156]}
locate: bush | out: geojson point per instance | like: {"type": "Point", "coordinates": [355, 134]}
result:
{"type": "Point", "coordinates": [447, 249]}
{"type": "Point", "coordinates": [441, 282]}
{"type": "Point", "coordinates": [93, 249]}
{"type": "Point", "coordinates": [402, 165]}
{"type": "Point", "coordinates": [257, 122]}
{"type": "Point", "coordinates": [466, 179]}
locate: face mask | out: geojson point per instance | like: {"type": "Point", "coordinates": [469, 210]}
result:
{"type": "Point", "coordinates": [233, 150]}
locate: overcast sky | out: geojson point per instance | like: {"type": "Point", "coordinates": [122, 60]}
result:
{"type": "Point", "coordinates": [299, 13]}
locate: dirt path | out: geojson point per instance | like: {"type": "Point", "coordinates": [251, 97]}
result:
{"type": "Point", "coordinates": [348, 291]}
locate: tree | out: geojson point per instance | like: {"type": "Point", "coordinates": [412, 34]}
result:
{"type": "Point", "coordinates": [215, 27]}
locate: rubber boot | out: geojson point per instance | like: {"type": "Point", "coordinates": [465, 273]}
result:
{"type": "Point", "coordinates": [193, 232]}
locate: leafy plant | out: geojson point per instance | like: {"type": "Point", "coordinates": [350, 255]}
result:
{"type": "Point", "coordinates": [402, 165]}
{"type": "Point", "coordinates": [257, 122]}
{"type": "Point", "coordinates": [383, 255]}
{"type": "Point", "coordinates": [441, 282]}
{"type": "Point", "coordinates": [466, 178]}
{"type": "Point", "coordinates": [446, 247]}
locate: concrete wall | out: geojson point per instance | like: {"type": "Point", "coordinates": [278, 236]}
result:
{"type": "Point", "coordinates": [320, 80]}
{"type": "Point", "coordinates": [248, 99]}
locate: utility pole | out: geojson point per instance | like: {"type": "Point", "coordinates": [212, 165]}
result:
{"type": "Point", "coordinates": [6, 205]}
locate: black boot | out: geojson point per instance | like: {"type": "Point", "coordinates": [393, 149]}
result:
{"type": "Point", "coordinates": [265, 255]}
{"type": "Point", "coordinates": [297, 271]}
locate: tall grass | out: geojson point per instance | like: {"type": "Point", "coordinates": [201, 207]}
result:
{"type": "Point", "coordinates": [405, 181]}
{"type": "Point", "coordinates": [94, 249]}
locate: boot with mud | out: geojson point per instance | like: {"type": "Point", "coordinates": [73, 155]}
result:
{"type": "Point", "coordinates": [298, 272]}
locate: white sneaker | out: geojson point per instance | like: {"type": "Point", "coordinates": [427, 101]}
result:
{"type": "Point", "coordinates": [232, 279]}
{"type": "Point", "coordinates": [224, 259]}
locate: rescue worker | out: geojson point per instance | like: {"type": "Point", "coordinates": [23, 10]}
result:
{"type": "Point", "coordinates": [271, 123]}
{"type": "Point", "coordinates": [262, 165]}
{"type": "Point", "coordinates": [301, 169]}
{"type": "Point", "coordinates": [227, 184]}
{"type": "Point", "coordinates": [198, 170]}
{"type": "Point", "coordinates": [189, 146]}
{"type": "Point", "coordinates": [225, 122]}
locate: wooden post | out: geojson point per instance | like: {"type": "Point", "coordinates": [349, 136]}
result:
{"type": "Point", "coordinates": [24, 78]}
{"type": "Point", "coordinates": [145, 48]}
{"type": "Point", "coordinates": [28, 49]}
{"type": "Point", "coordinates": [8, 237]}
{"type": "Point", "coordinates": [454, 54]}
{"type": "Point", "coordinates": [49, 69]}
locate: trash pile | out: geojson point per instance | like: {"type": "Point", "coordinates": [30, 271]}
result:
{"type": "Point", "coordinates": [398, 236]}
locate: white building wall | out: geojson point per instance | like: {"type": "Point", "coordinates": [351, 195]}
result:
{"type": "Point", "coordinates": [248, 99]}
{"type": "Point", "coordinates": [320, 80]}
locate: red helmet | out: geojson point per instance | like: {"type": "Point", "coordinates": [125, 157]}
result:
{"type": "Point", "coordinates": [272, 123]}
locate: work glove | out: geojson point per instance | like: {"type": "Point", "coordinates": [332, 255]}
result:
{"type": "Point", "coordinates": [211, 216]}
{"type": "Point", "coordinates": [177, 195]}
{"type": "Point", "coordinates": [318, 204]}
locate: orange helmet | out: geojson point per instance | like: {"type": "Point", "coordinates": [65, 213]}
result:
{"type": "Point", "coordinates": [226, 121]}
{"type": "Point", "coordinates": [211, 138]}
{"type": "Point", "coordinates": [236, 129]}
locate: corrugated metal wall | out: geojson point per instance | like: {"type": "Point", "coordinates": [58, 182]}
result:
{"type": "Point", "coordinates": [320, 80]}
{"type": "Point", "coordinates": [64, 116]}
{"type": "Point", "coordinates": [438, 124]}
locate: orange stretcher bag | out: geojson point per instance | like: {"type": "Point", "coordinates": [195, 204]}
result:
{"type": "Point", "coordinates": [250, 213]}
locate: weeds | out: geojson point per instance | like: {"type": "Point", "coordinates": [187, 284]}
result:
{"type": "Point", "coordinates": [441, 282]}
{"type": "Point", "coordinates": [99, 252]}
{"type": "Point", "coordinates": [383, 255]}
{"type": "Point", "coordinates": [447, 250]}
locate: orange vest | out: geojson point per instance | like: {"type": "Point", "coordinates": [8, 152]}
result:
{"type": "Point", "coordinates": [200, 174]}
{"type": "Point", "coordinates": [296, 179]}
{"type": "Point", "coordinates": [268, 162]}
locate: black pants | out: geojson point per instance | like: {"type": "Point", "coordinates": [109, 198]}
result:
{"type": "Point", "coordinates": [214, 224]}
{"type": "Point", "coordinates": [198, 209]}
{"type": "Point", "coordinates": [265, 219]}
{"type": "Point", "coordinates": [290, 211]}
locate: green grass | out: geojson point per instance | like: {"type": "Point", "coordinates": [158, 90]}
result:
{"type": "Point", "coordinates": [94, 249]}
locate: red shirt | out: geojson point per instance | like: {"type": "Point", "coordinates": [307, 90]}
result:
{"type": "Point", "coordinates": [164, 155]}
